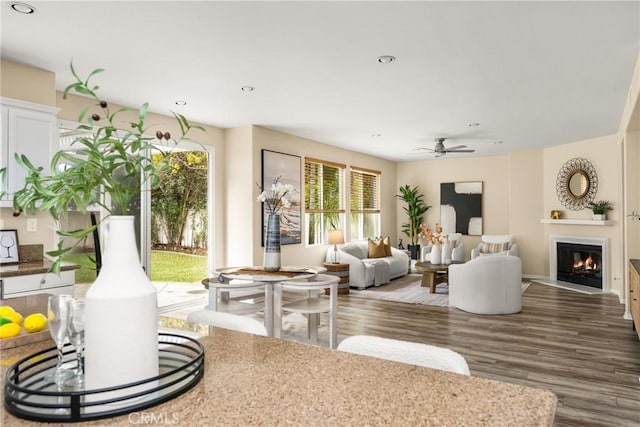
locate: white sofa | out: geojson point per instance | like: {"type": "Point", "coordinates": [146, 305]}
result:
{"type": "Point", "coordinates": [365, 272]}
{"type": "Point", "coordinates": [487, 285]}
{"type": "Point", "coordinates": [457, 253]}
{"type": "Point", "coordinates": [512, 247]}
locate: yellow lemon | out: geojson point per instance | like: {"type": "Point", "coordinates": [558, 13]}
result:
{"type": "Point", "coordinates": [35, 322]}
{"type": "Point", "coordinates": [10, 330]}
{"type": "Point", "coordinates": [5, 309]}
{"type": "Point", "coordinates": [15, 317]}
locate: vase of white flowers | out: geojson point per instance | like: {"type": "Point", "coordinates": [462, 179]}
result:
{"type": "Point", "coordinates": [272, 244]}
{"type": "Point", "coordinates": [276, 199]}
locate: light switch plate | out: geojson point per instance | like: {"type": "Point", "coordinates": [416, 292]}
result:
{"type": "Point", "coordinates": [32, 224]}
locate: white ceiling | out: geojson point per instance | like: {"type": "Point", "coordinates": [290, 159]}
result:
{"type": "Point", "coordinates": [533, 74]}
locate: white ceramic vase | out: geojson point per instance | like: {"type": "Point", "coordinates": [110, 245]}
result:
{"type": "Point", "coordinates": [446, 252]}
{"type": "Point", "coordinates": [271, 260]}
{"type": "Point", "coordinates": [121, 315]}
{"type": "Point", "coordinates": [436, 254]}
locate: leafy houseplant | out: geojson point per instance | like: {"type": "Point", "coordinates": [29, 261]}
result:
{"type": "Point", "coordinates": [107, 166]}
{"type": "Point", "coordinates": [600, 208]}
{"type": "Point", "coordinates": [415, 209]}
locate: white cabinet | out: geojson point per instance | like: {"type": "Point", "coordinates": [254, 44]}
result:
{"type": "Point", "coordinates": [28, 129]}
{"type": "Point", "coordinates": [31, 284]}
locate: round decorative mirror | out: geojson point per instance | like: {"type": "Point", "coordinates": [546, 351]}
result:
{"type": "Point", "coordinates": [576, 184]}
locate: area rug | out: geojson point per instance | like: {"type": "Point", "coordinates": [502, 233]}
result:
{"type": "Point", "coordinates": [407, 289]}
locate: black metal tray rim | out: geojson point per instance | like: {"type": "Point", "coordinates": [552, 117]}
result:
{"type": "Point", "coordinates": [188, 372]}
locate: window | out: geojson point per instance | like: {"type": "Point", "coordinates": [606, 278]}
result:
{"type": "Point", "coordinates": [365, 203]}
{"type": "Point", "coordinates": [323, 196]}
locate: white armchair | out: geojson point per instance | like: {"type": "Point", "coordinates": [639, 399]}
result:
{"type": "Point", "coordinates": [457, 253]}
{"type": "Point", "coordinates": [495, 244]}
{"type": "Point", "coordinates": [487, 285]}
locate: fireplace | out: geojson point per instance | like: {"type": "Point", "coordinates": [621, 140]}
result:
{"type": "Point", "coordinates": [579, 264]}
{"type": "Point", "coordinates": [579, 260]}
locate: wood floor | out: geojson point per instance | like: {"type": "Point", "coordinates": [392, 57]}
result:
{"type": "Point", "coordinates": [574, 344]}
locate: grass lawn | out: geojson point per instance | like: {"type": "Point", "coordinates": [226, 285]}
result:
{"type": "Point", "coordinates": [166, 267]}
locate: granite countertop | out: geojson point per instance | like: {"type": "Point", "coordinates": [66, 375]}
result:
{"type": "Point", "coordinates": [636, 264]}
{"type": "Point", "coordinates": [255, 380]}
{"type": "Point", "coordinates": [32, 267]}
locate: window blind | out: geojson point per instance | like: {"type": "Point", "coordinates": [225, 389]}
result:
{"type": "Point", "coordinates": [365, 190]}
{"type": "Point", "coordinates": [323, 186]}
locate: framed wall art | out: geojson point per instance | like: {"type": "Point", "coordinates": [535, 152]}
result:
{"type": "Point", "coordinates": [461, 207]}
{"type": "Point", "coordinates": [287, 168]}
{"type": "Point", "coordinates": [9, 247]}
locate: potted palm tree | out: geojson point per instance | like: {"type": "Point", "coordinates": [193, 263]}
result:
{"type": "Point", "coordinates": [415, 210]}
{"type": "Point", "coordinates": [600, 209]}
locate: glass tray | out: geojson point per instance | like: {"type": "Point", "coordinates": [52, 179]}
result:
{"type": "Point", "coordinates": [28, 395]}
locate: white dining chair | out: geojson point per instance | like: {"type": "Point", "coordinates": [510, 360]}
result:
{"type": "Point", "coordinates": [311, 306]}
{"type": "Point", "coordinates": [413, 353]}
{"type": "Point", "coordinates": [228, 321]}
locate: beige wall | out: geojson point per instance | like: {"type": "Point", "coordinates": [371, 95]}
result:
{"type": "Point", "coordinates": [277, 141]}
{"type": "Point", "coordinates": [27, 83]}
{"type": "Point", "coordinates": [429, 174]}
{"type": "Point", "coordinates": [240, 182]}
{"type": "Point", "coordinates": [605, 155]}
{"type": "Point", "coordinates": [519, 190]}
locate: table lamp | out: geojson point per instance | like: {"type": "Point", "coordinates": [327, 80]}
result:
{"type": "Point", "coordinates": [335, 238]}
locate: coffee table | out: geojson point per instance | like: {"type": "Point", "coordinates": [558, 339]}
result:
{"type": "Point", "coordinates": [430, 278]}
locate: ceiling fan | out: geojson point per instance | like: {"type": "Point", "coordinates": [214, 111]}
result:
{"type": "Point", "coordinates": [440, 150]}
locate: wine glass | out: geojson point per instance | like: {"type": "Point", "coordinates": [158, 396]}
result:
{"type": "Point", "coordinates": [7, 242]}
{"type": "Point", "coordinates": [57, 316]}
{"type": "Point", "coordinates": [75, 333]}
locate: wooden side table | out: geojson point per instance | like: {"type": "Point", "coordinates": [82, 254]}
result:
{"type": "Point", "coordinates": [341, 271]}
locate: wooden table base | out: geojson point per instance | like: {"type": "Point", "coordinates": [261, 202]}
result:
{"type": "Point", "coordinates": [430, 279]}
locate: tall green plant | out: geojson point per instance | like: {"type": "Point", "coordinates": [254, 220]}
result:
{"type": "Point", "coordinates": [106, 166]}
{"type": "Point", "coordinates": [415, 209]}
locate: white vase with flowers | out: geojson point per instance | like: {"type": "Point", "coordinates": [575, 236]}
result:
{"type": "Point", "coordinates": [276, 199]}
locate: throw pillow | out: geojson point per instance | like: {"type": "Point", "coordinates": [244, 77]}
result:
{"type": "Point", "coordinates": [376, 249]}
{"type": "Point", "coordinates": [505, 253]}
{"type": "Point", "coordinates": [493, 248]}
{"type": "Point", "coordinates": [353, 250]}
{"type": "Point", "coordinates": [387, 246]}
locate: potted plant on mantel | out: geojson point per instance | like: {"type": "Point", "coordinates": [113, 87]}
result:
{"type": "Point", "coordinates": [415, 209]}
{"type": "Point", "coordinates": [600, 209]}
{"type": "Point", "coordinates": [107, 167]}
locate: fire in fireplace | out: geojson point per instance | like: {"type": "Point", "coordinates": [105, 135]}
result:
{"type": "Point", "coordinates": [580, 264]}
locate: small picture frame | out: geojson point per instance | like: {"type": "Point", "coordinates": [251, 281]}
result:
{"type": "Point", "coordinates": [9, 247]}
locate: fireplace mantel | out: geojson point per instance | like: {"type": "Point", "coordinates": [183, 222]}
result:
{"type": "Point", "coordinates": [576, 221]}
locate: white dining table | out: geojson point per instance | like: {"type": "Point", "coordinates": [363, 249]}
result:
{"type": "Point", "coordinates": [236, 278]}
{"type": "Point", "coordinates": [311, 306]}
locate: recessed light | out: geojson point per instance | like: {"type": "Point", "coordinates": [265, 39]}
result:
{"type": "Point", "coordinates": [474, 124]}
{"type": "Point", "coordinates": [498, 142]}
{"type": "Point", "coordinates": [23, 8]}
{"type": "Point", "coordinates": [247, 88]}
{"type": "Point", "coordinates": [385, 59]}
{"type": "Point", "coordinates": [375, 135]}
{"type": "Point", "coordinates": [181, 103]}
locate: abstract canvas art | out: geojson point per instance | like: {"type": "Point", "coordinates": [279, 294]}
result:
{"type": "Point", "coordinates": [461, 207]}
